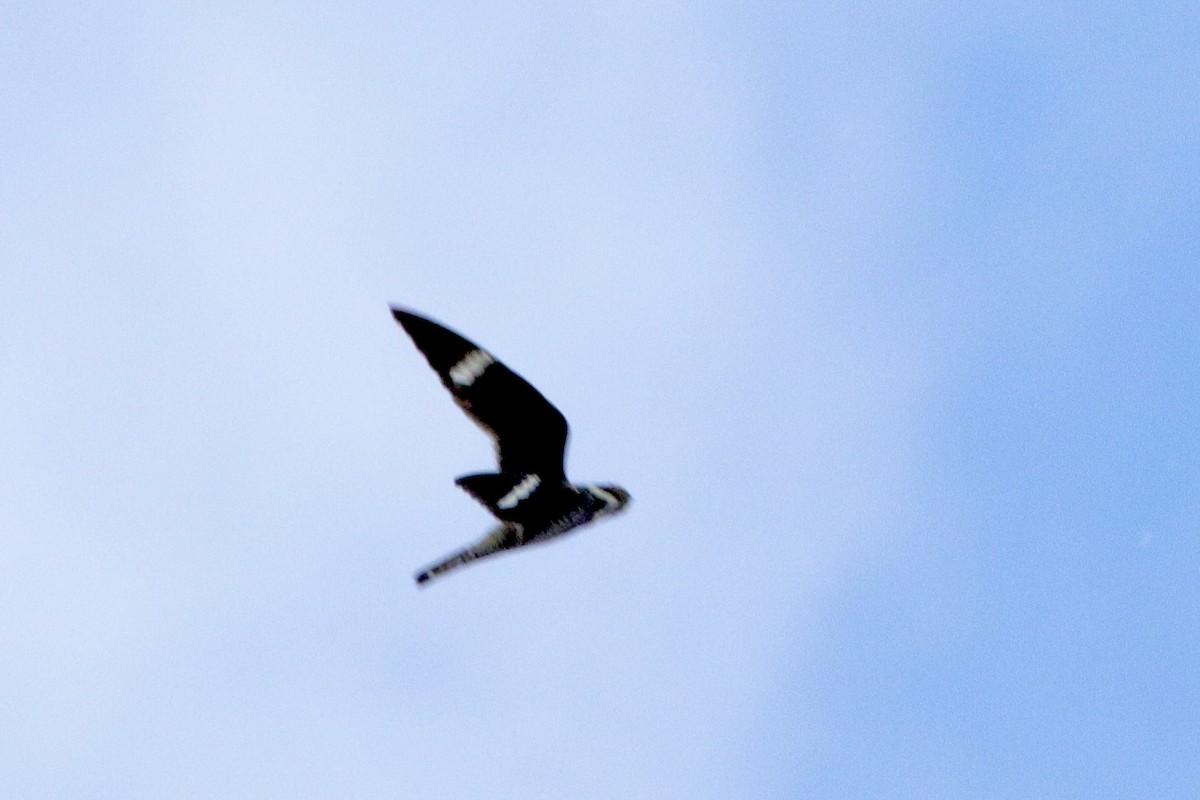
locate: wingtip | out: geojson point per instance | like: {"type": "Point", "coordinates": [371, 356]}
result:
{"type": "Point", "coordinates": [410, 320]}
{"type": "Point", "coordinates": [421, 578]}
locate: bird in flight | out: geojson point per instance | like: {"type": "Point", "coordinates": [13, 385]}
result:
{"type": "Point", "coordinates": [529, 495]}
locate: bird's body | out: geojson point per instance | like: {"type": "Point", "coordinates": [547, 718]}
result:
{"type": "Point", "coordinates": [530, 496]}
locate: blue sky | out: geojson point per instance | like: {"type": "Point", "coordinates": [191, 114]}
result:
{"type": "Point", "coordinates": [887, 317]}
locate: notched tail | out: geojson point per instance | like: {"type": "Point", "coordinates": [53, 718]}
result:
{"type": "Point", "coordinates": [453, 561]}
{"type": "Point", "coordinates": [500, 538]}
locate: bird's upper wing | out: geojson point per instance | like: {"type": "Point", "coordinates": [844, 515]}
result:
{"type": "Point", "coordinates": [530, 434]}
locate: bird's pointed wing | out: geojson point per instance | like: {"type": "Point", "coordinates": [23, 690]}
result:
{"type": "Point", "coordinates": [529, 432]}
{"type": "Point", "coordinates": [512, 498]}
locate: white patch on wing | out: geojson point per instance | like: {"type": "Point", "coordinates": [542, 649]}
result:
{"type": "Point", "coordinates": [471, 367]}
{"type": "Point", "coordinates": [519, 492]}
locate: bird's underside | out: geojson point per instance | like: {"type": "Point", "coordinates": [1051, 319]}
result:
{"type": "Point", "coordinates": [529, 494]}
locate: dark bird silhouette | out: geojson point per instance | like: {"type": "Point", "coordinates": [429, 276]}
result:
{"type": "Point", "coordinates": [530, 496]}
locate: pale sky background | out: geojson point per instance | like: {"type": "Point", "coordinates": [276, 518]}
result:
{"type": "Point", "coordinates": [887, 316]}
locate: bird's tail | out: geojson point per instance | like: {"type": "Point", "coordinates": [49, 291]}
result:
{"type": "Point", "coordinates": [458, 559]}
{"type": "Point", "coordinates": [499, 538]}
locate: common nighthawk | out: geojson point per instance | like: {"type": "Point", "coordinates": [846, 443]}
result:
{"type": "Point", "coordinates": [530, 495]}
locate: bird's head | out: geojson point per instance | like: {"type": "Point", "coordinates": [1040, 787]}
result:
{"type": "Point", "coordinates": [611, 498]}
